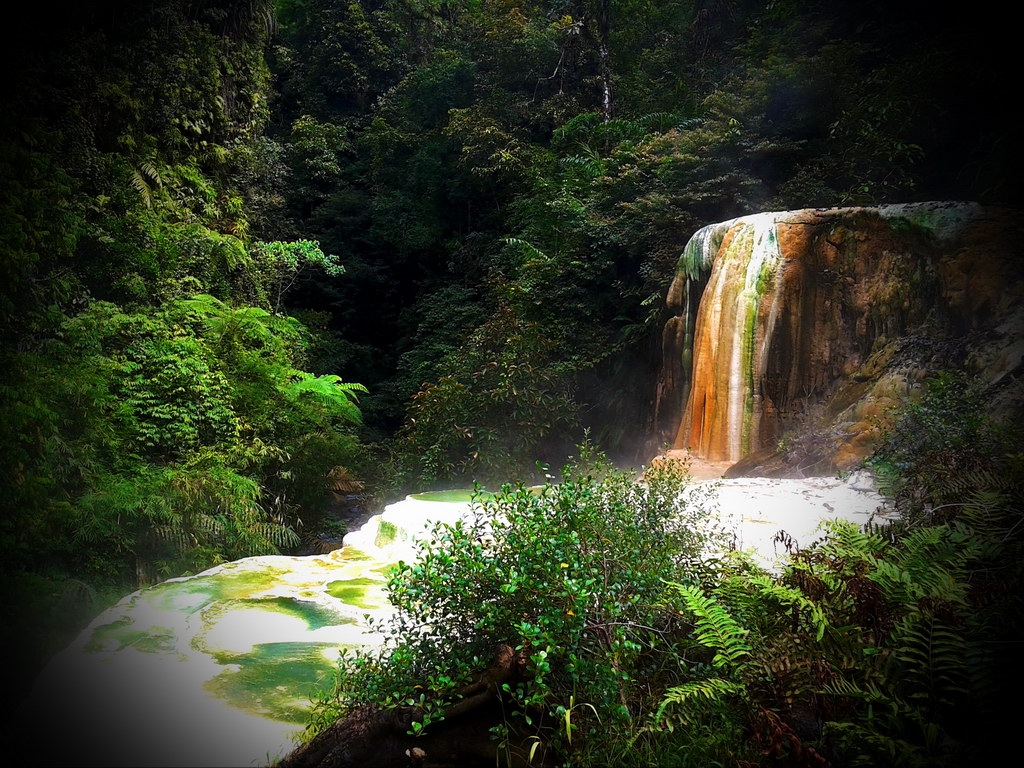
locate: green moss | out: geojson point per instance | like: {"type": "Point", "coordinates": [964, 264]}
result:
{"type": "Point", "coordinates": [924, 225]}
{"type": "Point", "coordinates": [357, 592]}
{"type": "Point", "coordinates": [274, 679]}
{"type": "Point", "coordinates": [120, 634]}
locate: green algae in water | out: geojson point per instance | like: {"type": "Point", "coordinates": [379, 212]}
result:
{"type": "Point", "coordinates": [193, 594]}
{"type": "Point", "coordinates": [119, 635]}
{"type": "Point", "coordinates": [386, 533]}
{"type": "Point", "coordinates": [386, 570]}
{"type": "Point", "coordinates": [355, 592]}
{"type": "Point", "coordinates": [275, 680]}
{"type": "Point", "coordinates": [314, 614]}
{"type": "Point", "coordinates": [457, 496]}
{"type": "Point", "coordinates": [353, 555]}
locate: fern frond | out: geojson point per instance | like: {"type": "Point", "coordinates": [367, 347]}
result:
{"type": "Point", "coordinates": [174, 536]}
{"type": "Point", "coordinates": [866, 690]}
{"type": "Point", "coordinates": [224, 321]}
{"type": "Point", "coordinates": [772, 589]}
{"type": "Point", "coordinates": [139, 185]}
{"type": "Point", "coordinates": [735, 593]}
{"type": "Point", "coordinates": [329, 389]}
{"type": "Point", "coordinates": [149, 169]}
{"type": "Point", "coordinates": [277, 535]}
{"type": "Point", "coordinates": [593, 167]}
{"type": "Point", "coordinates": [528, 249]}
{"type": "Point", "coordinates": [873, 747]}
{"type": "Point", "coordinates": [934, 653]}
{"type": "Point", "coordinates": [846, 539]}
{"type": "Point", "coordinates": [698, 693]}
{"type": "Point", "coordinates": [715, 628]}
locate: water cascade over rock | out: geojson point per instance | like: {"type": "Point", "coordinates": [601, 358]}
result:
{"type": "Point", "coordinates": [218, 668]}
{"type": "Point", "coordinates": [834, 313]}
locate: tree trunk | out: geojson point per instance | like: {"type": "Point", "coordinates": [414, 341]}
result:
{"type": "Point", "coordinates": [603, 28]}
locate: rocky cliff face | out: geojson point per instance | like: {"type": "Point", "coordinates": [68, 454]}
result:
{"type": "Point", "coordinates": [813, 322]}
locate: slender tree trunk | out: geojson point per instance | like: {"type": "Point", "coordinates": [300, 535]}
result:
{"type": "Point", "coordinates": [603, 26]}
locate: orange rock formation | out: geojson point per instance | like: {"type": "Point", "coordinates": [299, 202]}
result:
{"type": "Point", "coordinates": [838, 312]}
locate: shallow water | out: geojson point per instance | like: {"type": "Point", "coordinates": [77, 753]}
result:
{"type": "Point", "coordinates": [755, 509]}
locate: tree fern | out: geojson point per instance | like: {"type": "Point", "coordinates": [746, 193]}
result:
{"type": "Point", "coordinates": [589, 130]}
{"type": "Point", "coordinates": [224, 321]}
{"type": "Point", "coordinates": [328, 389]}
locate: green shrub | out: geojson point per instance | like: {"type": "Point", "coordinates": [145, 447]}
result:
{"type": "Point", "coordinates": [572, 574]}
{"type": "Point", "coordinates": [940, 448]}
{"type": "Point", "coordinates": [884, 647]}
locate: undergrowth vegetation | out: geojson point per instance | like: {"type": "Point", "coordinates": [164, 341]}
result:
{"type": "Point", "coordinates": [574, 573]}
{"type": "Point", "coordinates": [159, 409]}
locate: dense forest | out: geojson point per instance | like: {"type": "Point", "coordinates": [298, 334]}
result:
{"type": "Point", "coordinates": [255, 250]}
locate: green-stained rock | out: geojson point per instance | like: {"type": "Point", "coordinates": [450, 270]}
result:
{"type": "Point", "coordinates": [363, 592]}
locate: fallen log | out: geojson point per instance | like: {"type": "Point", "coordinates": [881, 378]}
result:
{"type": "Point", "coordinates": [378, 737]}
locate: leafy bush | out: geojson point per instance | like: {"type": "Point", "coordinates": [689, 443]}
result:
{"type": "Point", "coordinates": [173, 439]}
{"type": "Point", "coordinates": [891, 646]}
{"type": "Point", "coordinates": [571, 574]}
{"type": "Point", "coordinates": [940, 447]}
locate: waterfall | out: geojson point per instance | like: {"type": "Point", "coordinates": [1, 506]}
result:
{"type": "Point", "coordinates": [832, 316]}
{"type": "Point", "coordinates": [722, 408]}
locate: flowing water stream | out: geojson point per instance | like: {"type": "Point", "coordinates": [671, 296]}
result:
{"type": "Point", "coordinates": [216, 669]}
